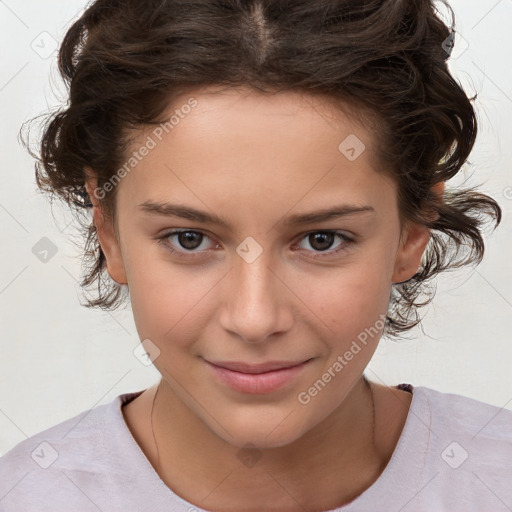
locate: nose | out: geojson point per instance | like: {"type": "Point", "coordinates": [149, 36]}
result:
{"type": "Point", "coordinates": [257, 302]}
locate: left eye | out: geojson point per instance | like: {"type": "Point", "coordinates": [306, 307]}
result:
{"type": "Point", "coordinates": [321, 241]}
{"type": "Point", "coordinates": [190, 240]}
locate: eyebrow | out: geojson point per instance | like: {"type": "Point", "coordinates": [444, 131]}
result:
{"type": "Point", "coordinates": [189, 213]}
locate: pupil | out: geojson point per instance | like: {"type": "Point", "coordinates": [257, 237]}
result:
{"type": "Point", "coordinates": [186, 239]}
{"type": "Point", "coordinates": [325, 240]}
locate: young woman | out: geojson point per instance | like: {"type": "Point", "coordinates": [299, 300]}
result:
{"type": "Point", "coordinates": [267, 182]}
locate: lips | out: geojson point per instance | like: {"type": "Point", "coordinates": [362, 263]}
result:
{"type": "Point", "coordinates": [261, 378]}
{"type": "Point", "coordinates": [257, 368]}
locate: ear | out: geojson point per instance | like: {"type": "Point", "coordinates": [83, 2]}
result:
{"type": "Point", "coordinates": [106, 234]}
{"type": "Point", "coordinates": [412, 247]}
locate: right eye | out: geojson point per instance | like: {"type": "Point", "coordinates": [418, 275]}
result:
{"type": "Point", "coordinates": [188, 240]}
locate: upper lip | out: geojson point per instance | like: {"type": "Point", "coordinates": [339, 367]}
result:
{"type": "Point", "coordinates": [256, 368]}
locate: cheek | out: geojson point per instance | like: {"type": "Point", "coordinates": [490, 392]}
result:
{"type": "Point", "coordinates": [167, 299]}
{"type": "Point", "coordinates": [349, 299]}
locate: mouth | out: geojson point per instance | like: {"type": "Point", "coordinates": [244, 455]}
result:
{"type": "Point", "coordinates": [261, 378]}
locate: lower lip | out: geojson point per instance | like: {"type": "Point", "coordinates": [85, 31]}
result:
{"type": "Point", "coordinates": [257, 383]}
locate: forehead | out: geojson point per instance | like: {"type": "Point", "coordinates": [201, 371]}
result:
{"type": "Point", "coordinates": [241, 111]}
{"type": "Point", "coordinates": [235, 142]}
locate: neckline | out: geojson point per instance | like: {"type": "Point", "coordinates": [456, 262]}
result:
{"type": "Point", "coordinates": [380, 487]}
{"type": "Point", "coordinates": [154, 485]}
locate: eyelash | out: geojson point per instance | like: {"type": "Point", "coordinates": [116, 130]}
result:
{"type": "Point", "coordinates": [164, 239]}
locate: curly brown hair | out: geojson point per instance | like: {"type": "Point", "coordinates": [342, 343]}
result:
{"type": "Point", "coordinates": [124, 61]}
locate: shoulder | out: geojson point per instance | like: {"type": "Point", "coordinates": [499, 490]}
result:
{"type": "Point", "coordinates": [453, 454]}
{"type": "Point", "coordinates": [43, 447]}
{"type": "Point", "coordinates": [470, 426]}
{"type": "Point", "coordinates": [468, 449]}
{"type": "Point", "coordinates": [483, 425]}
{"type": "Point", "coordinates": [45, 465]}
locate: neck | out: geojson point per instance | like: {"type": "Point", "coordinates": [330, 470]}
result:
{"type": "Point", "coordinates": [312, 469]}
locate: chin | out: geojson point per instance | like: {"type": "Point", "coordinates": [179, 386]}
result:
{"type": "Point", "coordinates": [273, 431]}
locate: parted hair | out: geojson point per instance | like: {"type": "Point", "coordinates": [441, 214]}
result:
{"type": "Point", "coordinates": [124, 60]}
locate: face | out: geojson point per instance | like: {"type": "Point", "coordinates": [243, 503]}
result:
{"type": "Point", "coordinates": [256, 278]}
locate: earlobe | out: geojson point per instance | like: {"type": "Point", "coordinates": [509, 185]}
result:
{"type": "Point", "coordinates": [106, 235]}
{"type": "Point", "coordinates": [410, 253]}
{"type": "Point", "coordinates": [416, 237]}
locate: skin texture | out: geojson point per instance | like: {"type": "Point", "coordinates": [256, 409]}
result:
{"type": "Point", "coordinates": [254, 160]}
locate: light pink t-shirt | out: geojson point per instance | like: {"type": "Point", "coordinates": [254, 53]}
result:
{"type": "Point", "coordinates": [454, 454]}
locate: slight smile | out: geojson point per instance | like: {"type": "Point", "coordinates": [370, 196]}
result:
{"type": "Point", "coordinates": [261, 378]}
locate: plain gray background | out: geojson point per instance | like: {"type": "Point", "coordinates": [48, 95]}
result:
{"type": "Point", "coordinates": [59, 359]}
